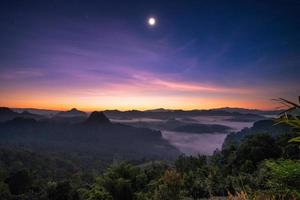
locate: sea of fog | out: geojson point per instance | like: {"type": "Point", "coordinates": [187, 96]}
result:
{"type": "Point", "coordinates": [195, 143]}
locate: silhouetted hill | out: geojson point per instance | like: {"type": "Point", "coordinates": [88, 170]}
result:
{"type": "Point", "coordinates": [95, 136]}
{"type": "Point", "coordinates": [70, 116]}
{"type": "Point", "coordinates": [249, 111]}
{"type": "Point", "coordinates": [245, 117]}
{"type": "Point", "coordinates": [263, 126]}
{"type": "Point", "coordinates": [43, 112]}
{"type": "Point", "coordinates": [8, 114]}
{"type": "Point", "coordinates": [237, 114]}
{"type": "Point", "coordinates": [158, 110]}
{"type": "Point", "coordinates": [71, 113]}
{"type": "Point", "coordinates": [167, 114]}
{"type": "Point", "coordinates": [97, 118]}
{"type": "Point", "coordinates": [5, 110]}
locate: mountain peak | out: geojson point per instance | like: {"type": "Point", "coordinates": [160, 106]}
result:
{"type": "Point", "coordinates": [158, 110]}
{"type": "Point", "coordinates": [97, 118]}
{"type": "Point", "coordinates": [6, 110]}
{"type": "Point", "coordinates": [71, 113]}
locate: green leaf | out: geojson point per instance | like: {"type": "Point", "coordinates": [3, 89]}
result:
{"type": "Point", "coordinates": [295, 139]}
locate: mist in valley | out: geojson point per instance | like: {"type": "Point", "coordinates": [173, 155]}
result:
{"type": "Point", "coordinates": [190, 143]}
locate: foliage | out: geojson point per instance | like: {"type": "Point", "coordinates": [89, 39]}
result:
{"type": "Point", "coordinates": [19, 182]}
{"type": "Point", "coordinates": [96, 193]}
{"type": "Point", "coordinates": [169, 187]}
{"type": "Point", "coordinates": [122, 181]}
{"type": "Point", "coordinates": [61, 191]}
{"type": "Point", "coordinates": [292, 121]}
{"type": "Point", "coordinates": [281, 177]}
{"type": "Point", "coordinates": [255, 149]}
{"type": "Point", "coordinates": [4, 191]}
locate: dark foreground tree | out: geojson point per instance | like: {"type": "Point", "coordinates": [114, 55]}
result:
{"type": "Point", "coordinates": [19, 182]}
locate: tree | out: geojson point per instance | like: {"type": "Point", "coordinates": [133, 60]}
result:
{"type": "Point", "coordinates": [281, 177]}
{"type": "Point", "coordinates": [194, 173]}
{"type": "Point", "coordinates": [256, 148]}
{"type": "Point", "coordinates": [289, 150]}
{"type": "Point", "coordinates": [170, 186]}
{"type": "Point", "coordinates": [122, 181]}
{"type": "Point", "coordinates": [292, 121]}
{"type": "Point", "coordinates": [195, 183]}
{"type": "Point", "coordinates": [96, 193]}
{"type": "Point", "coordinates": [60, 191]}
{"type": "Point", "coordinates": [19, 182]}
{"type": "Point", "coordinates": [4, 191]}
{"type": "Point", "coordinates": [215, 181]}
{"type": "Point", "coordinates": [189, 163]}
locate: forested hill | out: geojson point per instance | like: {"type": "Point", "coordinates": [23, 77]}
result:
{"type": "Point", "coordinates": [269, 127]}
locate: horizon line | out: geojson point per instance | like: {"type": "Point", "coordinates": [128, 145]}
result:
{"type": "Point", "coordinates": [141, 110]}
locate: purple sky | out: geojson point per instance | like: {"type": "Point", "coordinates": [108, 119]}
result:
{"type": "Point", "coordinates": [104, 55]}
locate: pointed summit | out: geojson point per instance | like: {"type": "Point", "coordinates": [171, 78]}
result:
{"type": "Point", "coordinates": [97, 118]}
{"type": "Point", "coordinates": [73, 110]}
{"type": "Point", "coordinates": [71, 113]}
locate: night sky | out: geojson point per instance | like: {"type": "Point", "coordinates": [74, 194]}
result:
{"type": "Point", "coordinates": [97, 55]}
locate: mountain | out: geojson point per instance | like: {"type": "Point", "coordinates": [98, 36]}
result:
{"type": "Point", "coordinates": [249, 111]}
{"type": "Point", "coordinates": [245, 117]}
{"type": "Point", "coordinates": [158, 110]}
{"type": "Point", "coordinates": [97, 118]}
{"type": "Point", "coordinates": [263, 126]}
{"type": "Point", "coordinates": [8, 114]}
{"type": "Point", "coordinates": [96, 135]}
{"type": "Point", "coordinates": [71, 113]}
{"type": "Point", "coordinates": [236, 114]}
{"type": "Point", "coordinates": [5, 110]}
{"type": "Point", "coordinates": [43, 112]}
{"type": "Point", "coordinates": [70, 116]}
{"type": "Point", "coordinates": [167, 114]}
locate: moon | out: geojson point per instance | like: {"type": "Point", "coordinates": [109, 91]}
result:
{"type": "Point", "coordinates": [151, 21]}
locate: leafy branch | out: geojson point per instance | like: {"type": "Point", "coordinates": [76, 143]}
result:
{"type": "Point", "coordinates": [292, 121]}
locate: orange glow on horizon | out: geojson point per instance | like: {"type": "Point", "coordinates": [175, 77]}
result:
{"type": "Point", "coordinates": [147, 91]}
{"type": "Point", "coordinates": [134, 103]}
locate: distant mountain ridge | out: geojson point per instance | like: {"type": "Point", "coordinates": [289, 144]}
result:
{"type": "Point", "coordinates": [71, 113]}
{"type": "Point", "coordinates": [250, 111]}
{"type": "Point", "coordinates": [167, 114]}
{"type": "Point", "coordinates": [235, 114]}
{"type": "Point", "coordinates": [228, 109]}
{"type": "Point", "coordinates": [9, 114]}
{"type": "Point", "coordinates": [43, 112]}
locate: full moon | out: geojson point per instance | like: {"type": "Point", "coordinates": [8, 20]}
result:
{"type": "Point", "coordinates": [151, 21]}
